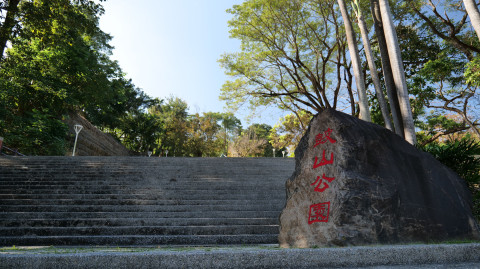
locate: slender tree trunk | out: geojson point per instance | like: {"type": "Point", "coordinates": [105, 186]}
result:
{"type": "Point", "coordinates": [474, 14]}
{"type": "Point", "coordinates": [387, 70]}
{"type": "Point", "coordinates": [357, 68]}
{"type": "Point", "coordinates": [373, 68]}
{"type": "Point", "coordinates": [7, 26]}
{"type": "Point", "coordinates": [398, 72]}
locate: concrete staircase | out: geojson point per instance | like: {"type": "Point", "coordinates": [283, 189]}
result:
{"type": "Point", "coordinates": [141, 201]}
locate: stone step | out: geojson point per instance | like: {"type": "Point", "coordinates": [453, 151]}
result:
{"type": "Point", "coordinates": [109, 172]}
{"type": "Point", "coordinates": [213, 165]}
{"type": "Point", "coordinates": [87, 173]}
{"type": "Point", "coordinates": [138, 214]}
{"type": "Point", "coordinates": [225, 194]}
{"type": "Point", "coordinates": [137, 187]}
{"type": "Point", "coordinates": [176, 183]}
{"type": "Point", "coordinates": [113, 222]}
{"type": "Point", "coordinates": [127, 162]}
{"type": "Point", "coordinates": [125, 201]}
{"type": "Point", "coordinates": [122, 176]}
{"type": "Point", "coordinates": [202, 209]}
{"type": "Point", "coordinates": [140, 230]}
{"type": "Point", "coordinates": [141, 201]}
{"type": "Point", "coordinates": [152, 176]}
{"type": "Point", "coordinates": [158, 195]}
{"type": "Point", "coordinates": [140, 240]}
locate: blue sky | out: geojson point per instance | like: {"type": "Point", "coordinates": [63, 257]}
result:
{"type": "Point", "coordinates": [171, 48]}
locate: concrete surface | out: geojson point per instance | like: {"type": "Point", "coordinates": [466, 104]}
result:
{"type": "Point", "coordinates": [401, 256]}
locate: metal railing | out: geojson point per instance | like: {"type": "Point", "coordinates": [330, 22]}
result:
{"type": "Point", "coordinates": [6, 151]}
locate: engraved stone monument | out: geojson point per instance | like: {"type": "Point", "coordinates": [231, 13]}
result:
{"type": "Point", "coordinates": [357, 183]}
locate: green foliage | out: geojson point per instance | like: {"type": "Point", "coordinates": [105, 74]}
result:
{"type": "Point", "coordinates": [439, 48]}
{"type": "Point", "coordinates": [59, 62]}
{"type": "Point", "coordinates": [472, 73]}
{"type": "Point", "coordinates": [291, 55]}
{"type": "Point", "coordinates": [168, 126]}
{"type": "Point", "coordinates": [35, 133]}
{"type": "Point", "coordinates": [290, 129]}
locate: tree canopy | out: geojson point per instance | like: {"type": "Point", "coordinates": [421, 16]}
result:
{"type": "Point", "coordinates": [56, 65]}
{"type": "Point", "coordinates": [294, 56]}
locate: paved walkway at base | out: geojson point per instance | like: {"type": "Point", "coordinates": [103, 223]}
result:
{"type": "Point", "coordinates": [401, 256]}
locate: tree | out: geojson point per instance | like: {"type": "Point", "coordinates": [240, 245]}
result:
{"type": "Point", "coordinates": [372, 66]}
{"type": "Point", "coordinates": [229, 127]}
{"type": "Point", "coordinates": [396, 64]}
{"type": "Point", "coordinates": [6, 29]}
{"type": "Point", "coordinates": [232, 126]}
{"type": "Point", "coordinates": [140, 132]}
{"type": "Point", "coordinates": [248, 144]}
{"type": "Point", "coordinates": [386, 69]}
{"type": "Point", "coordinates": [472, 10]}
{"type": "Point", "coordinates": [293, 56]}
{"type": "Point", "coordinates": [60, 65]}
{"type": "Point", "coordinates": [289, 130]}
{"type": "Point", "coordinates": [294, 53]}
{"type": "Point", "coordinates": [444, 26]}
{"type": "Point", "coordinates": [356, 63]}
{"type": "Point", "coordinates": [204, 138]}
{"type": "Point", "coordinates": [174, 117]}
{"type": "Point", "coordinates": [443, 81]}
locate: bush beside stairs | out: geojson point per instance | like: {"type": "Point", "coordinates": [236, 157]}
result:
{"type": "Point", "coordinates": [120, 201]}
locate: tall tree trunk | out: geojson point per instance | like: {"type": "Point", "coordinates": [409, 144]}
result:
{"type": "Point", "coordinates": [7, 26]}
{"type": "Point", "coordinates": [474, 14]}
{"type": "Point", "coordinates": [373, 68]}
{"type": "Point", "coordinates": [398, 72]}
{"type": "Point", "coordinates": [387, 70]}
{"type": "Point", "coordinates": [357, 68]}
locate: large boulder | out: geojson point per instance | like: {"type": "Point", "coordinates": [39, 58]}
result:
{"type": "Point", "coordinates": [357, 183]}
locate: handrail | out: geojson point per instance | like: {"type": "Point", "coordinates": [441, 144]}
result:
{"type": "Point", "coordinates": [14, 151]}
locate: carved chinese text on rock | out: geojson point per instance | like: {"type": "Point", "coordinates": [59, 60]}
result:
{"type": "Point", "coordinates": [321, 138]}
{"type": "Point", "coordinates": [357, 183]}
{"type": "Point", "coordinates": [320, 212]}
{"type": "Point", "coordinates": [319, 187]}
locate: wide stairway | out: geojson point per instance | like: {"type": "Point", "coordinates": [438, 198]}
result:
{"type": "Point", "coordinates": [119, 201]}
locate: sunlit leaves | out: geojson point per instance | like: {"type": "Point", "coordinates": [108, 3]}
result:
{"type": "Point", "coordinates": [472, 73]}
{"type": "Point", "coordinates": [288, 51]}
{"type": "Point", "coordinates": [59, 62]}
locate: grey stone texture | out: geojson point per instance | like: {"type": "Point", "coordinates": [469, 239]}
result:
{"type": "Point", "coordinates": [141, 201]}
{"type": "Point", "coordinates": [357, 183]}
{"type": "Point", "coordinates": [409, 256]}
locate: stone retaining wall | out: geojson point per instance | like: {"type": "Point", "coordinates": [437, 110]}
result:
{"type": "Point", "coordinates": [92, 141]}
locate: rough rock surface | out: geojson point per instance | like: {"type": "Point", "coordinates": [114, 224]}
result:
{"type": "Point", "coordinates": [92, 141]}
{"type": "Point", "coordinates": [357, 183]}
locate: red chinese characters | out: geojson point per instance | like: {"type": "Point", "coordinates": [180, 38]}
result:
{"type": "Point", "coordinates": [319, 182]}
{"type": "Point", "coordinates": [319, 213]}
{"type": "Point", "coordinates": [324, 160]}
{"type": "Point", "coordinates": [323, 137]}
